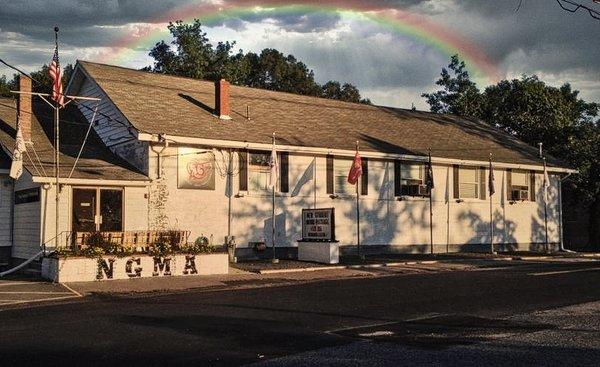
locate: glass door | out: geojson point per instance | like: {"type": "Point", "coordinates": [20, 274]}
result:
{"type": "Point", "coordinates": [97, 210]}
{"type": "Point", "coordinates": [111, 210]}
{"type": "Point", "coordinates": [84, 210]}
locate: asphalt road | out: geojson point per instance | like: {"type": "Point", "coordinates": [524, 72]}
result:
{"type": "Point", "coordinates": [486, 317]}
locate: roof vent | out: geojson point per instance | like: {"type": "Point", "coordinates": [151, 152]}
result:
{"type": "Point", "coordinates": [222, 99]}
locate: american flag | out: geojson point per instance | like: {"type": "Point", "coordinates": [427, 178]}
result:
{"type": "Point", "coordinates": [56, 76]}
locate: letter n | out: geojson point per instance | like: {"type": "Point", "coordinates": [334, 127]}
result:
{"type": "Point", "coordinates": [106, 268]}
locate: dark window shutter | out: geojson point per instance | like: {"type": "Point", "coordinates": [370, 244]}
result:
{"type": "Point", "coordinates": [243, 157]}
{"type": "Point", "coordinates": [482, 184]}
{"type": "Point", "coordinates": [397, 179]}
{"type": "Point", "coordinates": [364, 178]}
{"type": "Point", "coordinates": [284, 181]}
{"type": "Point", "coordinates": [532, 185]}
{"type": "Point", "coordinates": [330, 174]}
{"type": "Point", "coordinates": [455, 169]}
{"type": "Point", "coordinates": [509, 194]}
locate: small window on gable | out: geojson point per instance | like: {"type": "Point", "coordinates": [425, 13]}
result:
{"type": "Point", "coordinates": [468, 182]}
{"type": "Point", "coordinates": [520, 185]}
{"type": "Point", "coordinates": [258, 171]}
{"type": "Point", "coordinates": [341, 168]}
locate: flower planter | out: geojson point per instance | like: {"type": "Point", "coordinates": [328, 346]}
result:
{"type": "Point", "coordinates": [81, 269]}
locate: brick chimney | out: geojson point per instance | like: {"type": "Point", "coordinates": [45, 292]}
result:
{"type": "Point", "coordinates": [24, 107]}
{"type": "Point", "coordinates": [222, 99]}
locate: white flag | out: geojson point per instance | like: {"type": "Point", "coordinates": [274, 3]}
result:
{"type": "Point", "coordinates": [546, 183]}
{"type": "Point", "coordinates": [16, 167]}
{"type": "Point", "coordinates": [273, 168]}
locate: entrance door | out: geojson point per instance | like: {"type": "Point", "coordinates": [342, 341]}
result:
{"type": "Point", "coordinates": [111, 210]}
{"type": "Point", "coordinates": [84, 210]}
{"type": "Point", "coordinates": [97, 210]}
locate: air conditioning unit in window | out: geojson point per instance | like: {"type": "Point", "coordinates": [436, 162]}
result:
{"type": "Point", "coordinates": [523, 194]}
{"type": "Point", "coordinates": [520, 194]}
{"type": "Point", "coordinates": [423, 191]}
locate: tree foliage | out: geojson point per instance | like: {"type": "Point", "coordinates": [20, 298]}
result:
{"type": "Point", "coordinates": [191, 54]}
{"type": "Point", "coordinates": [534, 112]}
{"type": "Point", "coordinates": [41, 81]}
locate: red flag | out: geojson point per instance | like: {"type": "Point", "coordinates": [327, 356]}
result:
{"type": "Point", "coordinates": [355, 170]}
{"type": "Point", "coordinates": [56, 76]}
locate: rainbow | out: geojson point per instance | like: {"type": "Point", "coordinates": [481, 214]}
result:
{"type": "Point", "coordinates": [416, 27]}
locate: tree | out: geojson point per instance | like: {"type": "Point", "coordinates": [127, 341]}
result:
{"type": "Point", "coordinates": [41, 81]}
{"type": "Point", "coordinates": [7, 85]}
{"type": "Point", "coordinates": [535, 112]}
{"type": "Point", "coordinates": [459, 96]}
{"type": "Point", "coordinates": [192, 55]}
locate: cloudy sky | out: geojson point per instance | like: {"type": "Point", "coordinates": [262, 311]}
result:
{"type": "Point", "coordinates": [387, 61]}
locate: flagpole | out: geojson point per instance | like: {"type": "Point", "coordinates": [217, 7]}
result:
{"type": "Point", "coordinates": [56, 150]}
{"type": "Point", "coordinates": [274, 260]}
{"type": "Point", "coordinates": [545, 194]}
{"type": "Point", "coordinates": [430, 172]}
{"type": "Point", "coordinates": [490, 183]}
{"type": "Point", "coordinates": [357, 214]}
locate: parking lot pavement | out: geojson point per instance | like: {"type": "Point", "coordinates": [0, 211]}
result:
{"type": "Point", "coordinates": [16, 291]}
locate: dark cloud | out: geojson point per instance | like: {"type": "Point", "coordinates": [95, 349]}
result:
{"type": "Point", "coordinates": [540, 38]}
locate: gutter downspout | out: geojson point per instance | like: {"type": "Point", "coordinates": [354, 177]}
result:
{"type": "Point", "coordinates": [560, 207]}
{"type": "Point", "coordinates": [158, 153]}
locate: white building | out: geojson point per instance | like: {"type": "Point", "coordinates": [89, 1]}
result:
{"type": "Point", "coordinates": [175, 153]}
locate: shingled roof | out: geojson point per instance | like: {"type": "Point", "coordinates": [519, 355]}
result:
{"type": "Point", "coordinates": [157, 103]}
{"type": "Point", "coordinates": [96, 162]}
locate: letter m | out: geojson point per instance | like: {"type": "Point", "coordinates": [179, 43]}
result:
{"type": "Point", "coordinates": [161, 264]}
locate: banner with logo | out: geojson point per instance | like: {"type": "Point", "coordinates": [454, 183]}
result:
{"type": "Point", "coordinates": [195, 169]}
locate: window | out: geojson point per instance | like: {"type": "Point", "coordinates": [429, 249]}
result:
{"type": "Point", "coordinates": [468, 182]}
{"type": "Point", "coordinates": [520, 185]}
{"type": "Point", "coordinates": [258, 171]}
{"type": "Point", "coordinates": [411, 180]}
{"type": "Point", "coordinates": [340, 175]}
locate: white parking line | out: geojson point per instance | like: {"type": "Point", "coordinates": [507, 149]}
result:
{"type": "Point", "coordinates": [563, 272]}
{"type": "Point", "coordinates": [14, 283]}
{"type": "Point", "coordinates": [36, 293]}
{"type": "Point", "coordinates": [12, 302]}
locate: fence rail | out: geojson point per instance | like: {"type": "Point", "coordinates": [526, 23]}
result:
{"type": "Point", "coordinates": [134, 239]}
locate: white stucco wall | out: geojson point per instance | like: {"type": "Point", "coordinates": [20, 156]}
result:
{"type": "Point", "coordinates": [384, 220]}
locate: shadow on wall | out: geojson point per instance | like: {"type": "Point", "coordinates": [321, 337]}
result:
{"type": "Point", "coordinates": [379, 212]}
{"type": "Point", "coordinates": [504, 232]}
{"type": "Point", "coordinates": [538, 225]}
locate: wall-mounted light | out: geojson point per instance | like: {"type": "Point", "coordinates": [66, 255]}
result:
{"type": "Point", "coordinates": [460, 200]}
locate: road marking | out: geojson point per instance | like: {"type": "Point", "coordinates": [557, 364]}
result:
{"type": "Point", "coordinates": [72, 290]}
{"type": "Point", "coordinates": [563, 272]}
{"type": "Point", "coordinates": [7, 303]}
{"type": "Point", "coordinates": [35, 293]}
{"type": "Point", "coordinates": [15, 283]}
{"type": "Point", "coordinates": [418, 318]}
{"type": "Point", "coordinates": [377, 333]}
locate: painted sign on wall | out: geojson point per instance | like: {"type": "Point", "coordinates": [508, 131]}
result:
{"type": "Point", "coordinates": [195, 169]}
{"type": "Point", "coordinates": [318, 224]}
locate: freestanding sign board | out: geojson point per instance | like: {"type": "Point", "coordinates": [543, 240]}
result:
{"type": "Point", "coordinates": [318, 225]}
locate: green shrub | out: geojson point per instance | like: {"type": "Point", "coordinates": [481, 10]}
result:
{"type": "Point", "coordinates": [200, 246]}
{"type": "Point", "coordinates": [161, 247]}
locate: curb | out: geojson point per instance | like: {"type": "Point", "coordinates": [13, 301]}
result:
{"type": "Point", "coordinates": [338, 267]}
